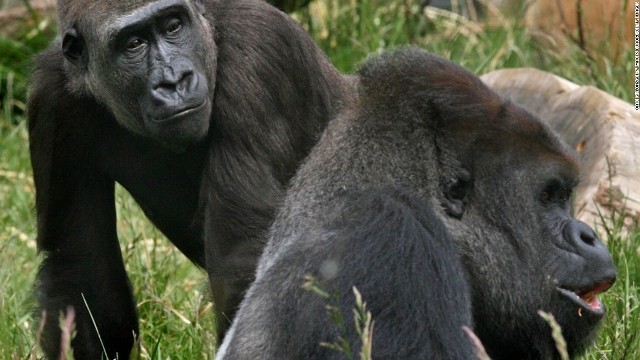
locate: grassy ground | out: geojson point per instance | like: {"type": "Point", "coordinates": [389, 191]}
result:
{"type": "Point", "coordinates": [175, 314]}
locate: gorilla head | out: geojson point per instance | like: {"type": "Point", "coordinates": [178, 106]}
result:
{"type": "Point", "coordinates": [446, 207]}
{"type": "Point", "coordinates": [504, 181]}
{"type": "Point", "coordinates": [151, 63]}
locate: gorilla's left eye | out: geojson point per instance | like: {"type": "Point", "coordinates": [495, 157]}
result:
{"type": "Point", "coordinates": [555, 192]}
{"type": "Point", "coordinates": [173, 26]}
{"type": "Point", "coordinates": [545, 197]}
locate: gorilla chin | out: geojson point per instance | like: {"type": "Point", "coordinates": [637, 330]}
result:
{"type": "Point", "coordinates": [182, 129]}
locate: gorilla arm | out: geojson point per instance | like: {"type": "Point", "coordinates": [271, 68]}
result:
{"type": "Point", "coordinates": [77, 151]}
{"type": "Point", "coordinates": [76, 221]}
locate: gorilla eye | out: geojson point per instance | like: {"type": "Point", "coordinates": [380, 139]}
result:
{"type": "Point", "coordinates": [173, 27]}
{"type": "Point", "coordinates": [545, 197]}
{"type": "Point", "coordinates": [134, 44]}
{"type": "Point", "coordinates": [555, 192]}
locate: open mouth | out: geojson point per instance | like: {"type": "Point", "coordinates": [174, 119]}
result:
{"type": "Point", "coordinates": [587, 298]}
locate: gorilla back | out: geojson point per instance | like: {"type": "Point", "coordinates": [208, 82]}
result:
{"type": "Point", "coordinates": [445, 207]}
{"type": "Point", "coordinates": [202, 110]}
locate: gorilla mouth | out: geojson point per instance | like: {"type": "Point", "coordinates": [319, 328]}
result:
{"type": "Point", "coordinates": [181, 113]}
{"type": "Point", "coordinates": [587, 297]}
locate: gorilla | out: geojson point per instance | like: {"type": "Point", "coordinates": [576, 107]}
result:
{"type": "Point", "coordinates": [446, 207]}
{"type": "Point", "coordinates": [202, 110]}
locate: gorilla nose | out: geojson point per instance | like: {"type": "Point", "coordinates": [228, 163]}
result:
{"type": "Point", "coordinates": [580, 232]}
{"type": "Point", "coordinates": [588, 245]}
{"type": "Point", "coordinates": [170, 84]}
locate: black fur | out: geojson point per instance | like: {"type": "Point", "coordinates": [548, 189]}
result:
{"type": "Point", "coordinates": [289, 5]}
{"type": "Point", "coordinates": [382, 241]}
{"type": "Point", "coordinates": [214, 199]}
{"type": "Point", "coordinates": [446, 208]}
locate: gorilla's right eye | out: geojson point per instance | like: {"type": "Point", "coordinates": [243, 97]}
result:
{"type": "Point", "coordinates": [134, 44]}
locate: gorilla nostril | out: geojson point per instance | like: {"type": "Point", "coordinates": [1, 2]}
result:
{"type": "Point", "coordinates": [184, 81]}
{"type": "Point", "coordinates": [587, 235]}
{"type": "Point", "coordinates": [164, 91]}
{"type": "Point", "coordinates": [588, 238]}
{"type": "Point", "coordinates": [186, 75]}
{"type": "Point", "coordinates": [165, 85]}
{"type": "Point", "coordinates": [578, 233]}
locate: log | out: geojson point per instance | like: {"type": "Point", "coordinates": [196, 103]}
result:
{"type": "Point", "coordinates": [604, 130]}
{"type": "Point", "coordinates": [604, 29]}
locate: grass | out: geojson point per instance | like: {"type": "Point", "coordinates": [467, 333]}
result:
{"type": "Point", "coordinates": [176, 320]}
{"type": "Point", "coordinates": [172, 295]}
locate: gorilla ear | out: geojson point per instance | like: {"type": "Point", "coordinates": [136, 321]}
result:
{"type": "Point", "coordinates": [74, 49]}
{"type": "Point", "coordinates": [456, 194]}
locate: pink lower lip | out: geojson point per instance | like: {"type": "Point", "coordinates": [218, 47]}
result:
{"type": "Point", "coordinates": [591, 304]}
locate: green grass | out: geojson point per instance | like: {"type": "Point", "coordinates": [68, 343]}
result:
{"type": "Point", "coordinates": [172, 294]}
{"type": "Point", "coordinates": [176, 317]}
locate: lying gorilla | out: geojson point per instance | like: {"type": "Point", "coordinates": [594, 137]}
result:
{"type": "Point", "coordinates": [446, 207]}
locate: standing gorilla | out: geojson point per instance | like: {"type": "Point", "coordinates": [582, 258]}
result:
{"type": "Point", "coordinates": [202, 110]}
{"type": "Point", "coordinates": [446, 207]}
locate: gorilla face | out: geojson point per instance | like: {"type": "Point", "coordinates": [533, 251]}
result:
{"type": "Point", "coordinates": [153, 67]}
{"type": "Point", "coordinates": [529, 254]}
